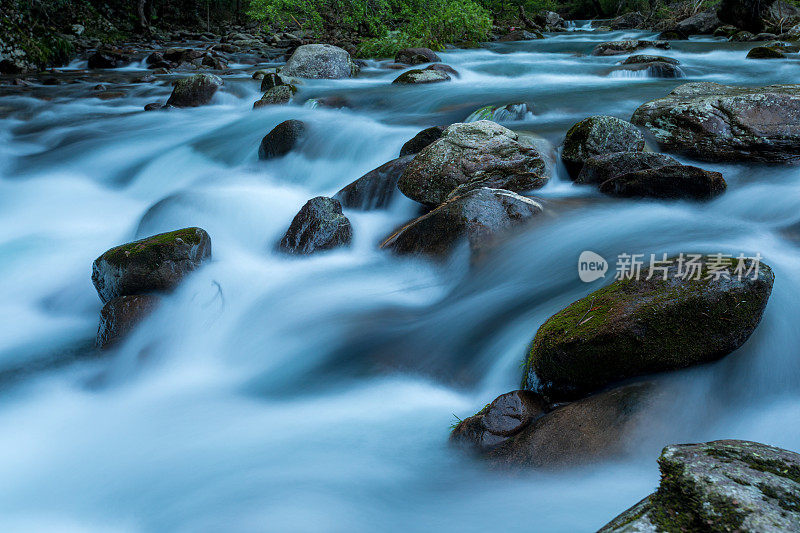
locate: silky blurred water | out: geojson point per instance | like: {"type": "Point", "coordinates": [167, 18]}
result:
{"type": "Point", "coordinates": [281, 394]}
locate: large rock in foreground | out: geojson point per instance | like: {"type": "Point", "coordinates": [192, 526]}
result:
{"type": "Point", "coordinates": [376, 188]}
{"type": "Point", "coordinates": [470, 155]}
{"type": "Point", "coordinates": [121, 315]}
{"type": "Point", "coordinates": [319, 61]}
{"type": "Point", "coordinates": [642, 326]}
{"type": "Point", "coordinates": [157, 263]}
{"type": "Point", "coordinates": [598, 135]}
{"type": "Point", "coordinates": [422, 139]}
{"type": "Point", "coordinates": [726, 123]}
{"type": "Point", "coordinates": [479, 216]}
{"type": "Point", "coordinates": [194, 91]}
{"type": "Point", "coordinates": [724, 485]}
{"type": "Point", "coordinates": [320, 225]}
{"type": "Point", "coordinates": [670, 182]}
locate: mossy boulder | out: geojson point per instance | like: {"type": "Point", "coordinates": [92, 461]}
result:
{"type": "Point", "coordinates": [194, 91]}
{"type": "Point", "coordinates": [319, 61]}
{"type": "Point", "coordinates": [320, 225]}
{"type": "Point", "coordinates": [470, 155]}
{"type": "Point", "coordinates": [719, 486]}
{"type": "Point", "coordinates": [421, 77]}
{"type": "Point", "coordinates": [600, 168]}
{"type": "Point", "coordinates": [280, 95]}
{"type": "Point", "coordinates": [157, 263]}
{"type": "Point", "coordinates": [765, 52]}
{"type": "Point", "coordinates": [376, 188]}
{"type": "Point", "coordinates": [669, 182]}
{"type": "Point", "coordinates": [716, 122]}
{"type": "Point", "coordinates": [282, 139]}
{"type": "Point", "coordinates": [638, 59]}
{"type": "Point", "coordinates": [641, 326]}
{"type": "Point", "coordinates": [479, 216]}
{"type": "Point", "coordinates": [598, 135]}
{"type": "Point", "coordinates": [270, 80]}
{"type": "Point", "coordinates": [421, 140]}
{"type": "Point", "coordinates": [121, 315]}
{"type": "Point", "coordinates": [416, 56]}
{"type": "Point", "coordinates": [614, 48]}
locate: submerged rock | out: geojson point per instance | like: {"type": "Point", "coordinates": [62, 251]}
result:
{"type": "Point", "coordinates": [194, 91]}
{"type": "Point", "coordinates": [600, 168]}
{"type": "Point", "coordinates": [614, 48]}
{"type": "Point", "coordinates": [642, 326]}
{"type": "Point", "coordinates": [416, 56]}
{"type": "Point", "coordinates": [672, 182]}
{"type": "Point", "coordinates": [765, 52]}
{"type": "Point", "coordinates": [479, 216]}
{"type": "Point", "coordinates": [638, 59]}
{"type": "Point", "coordinates": [121, 315]}
{"type": "Point", "coordinates": [502, 113]}
{"type": "Point", "coordinates": [319, 61]}
{"type": "Point", "coordinates": [724, 485]}
{"type": "Point", "coordinates": [421, 76]}
{"type": "Point", "coordinates": [422, 140]}
{"type": "Point", "coordinates": [282, 139]}
{"type": "Point", "coordinates": [469, 155]}
{"type": "Point", "coordinates": [727, 123]}
{"type": "Point", "coordinates": [157, 263]}
{"type": "Point", "coordinates": [280, 95]}
{"type": "Point", "coordinates": [598, 135]}
{"type": "Point", "coordinates": [376, 188]}
{"type": "Point", "coordinates": [320, 225]}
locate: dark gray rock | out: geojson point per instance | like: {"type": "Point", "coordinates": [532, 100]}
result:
{"type": "Point", "coordinates": [376, 188]}
{"type": "Point", "coordinates": [598, 135]}
{"type": "Point", "coordinates": [600, 168]}
{"type": "Point", "coordinates": [416, 56]}
{"type": "Point", "coordinates": [628, 21]}
{"type": "Point", "coordinates": [521, 35]}
{"type": "Point", "coordinates": [194, 91]}
{"type": "Point", "coordinates": [282, 139]}
{"type": "Point", "coordinates": [280, 95]}
{"type": "Point", "coordinates": [320, 225]}
{"type": "Point", "coordinates": [670, 182]}
{"type": "Point", "coordinates": [639, 59]}
{"type": "Point", "coordinates": [703, 23]}
{"type": "Point", "coordinates": [421, 76]}
{"type": "Point", "coordinates": [121, 315]}
{"type": "Point", "coordinates": [614, 48]}
{"type": "Point", "coordinates": [422, 140]}
{"type": "Point", "coordinates": [765, 52]}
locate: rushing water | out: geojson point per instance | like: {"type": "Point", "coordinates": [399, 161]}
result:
{"type": "Point", "coordinates": [277, 394]}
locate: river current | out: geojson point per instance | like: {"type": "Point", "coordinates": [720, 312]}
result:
{"type": "Point", "coordinates": [272, 393]}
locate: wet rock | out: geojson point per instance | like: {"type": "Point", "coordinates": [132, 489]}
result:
{"type": "Point", "coordinates": [376, 188]}
{"type": "Point", "coordinates": [742, 36]}
{"type": "Point", "coordinates": [724, 485]}
{"type": "Point", "coordinates": [469, 155]}
{"type": "Point", "coordinates": [422, 140]}
{"type": "Point", "coordinates": [506, 416]}
{"type": "Point", "coordinates": [157, 263]}
{"type": "Point", "coordinates": [642, 326]}
{"type": "Point", "coordinates": [319, 61]}
{"type": "Point", "coordinates": [282, 94]}
{"type": "Point", "coordinates": [726, 123]}
{"type": "Point", "coordinates": [670, 182]}
{"type": "Point", "coordinates": [594, 428]}
{"type": "Point", "coordinates": [628, 21]}
{"type": "Point", "coordinates": [480, 216]}
{"type": "Point", "coordinates": [416, 56]}
{"type": "Point", "coordinates": [444, 69]}
{"type": "Point", "coordinates": [521, 35]}
{"type": "Point", "coordinates": [282, 139]}
{"type": "Point", "coordinates": [671, 35]}
{"type": "Point", "coordinates": [600, 168]}
{"type": "Point", "coordinates": [320, 225]}
{"type": "Point", "coordinates": [153, 106]}
{"type": "Point", "coordinates": [614, 48]}
{"type": "Point", "coordinates": [329, 102]}
{"type": "Point", "coordinates": [653, 69]}
{"type": "Point", "coordinates": [745, 14]}
{"type": "Point", "coordinates": [598, 135]}
{"type": "Point", "coordinates": [704, 23]}
{"type": "Point", "coordinates": [121, 315]}
{"type": "Point", "coordinates": [639, 59]}
{"type": "Point", "coordinates": [502, 113]}
{"type": "Point", "coordinates": [270, 80]}
{"type": "Point", "coordinates": [421, 76]}
{"type": "Point", "coordinates": [108, 59]}
{"type": "Point", "coordinates": [194, 91]}
{"type": "Point", "coordinates": [765, 52]}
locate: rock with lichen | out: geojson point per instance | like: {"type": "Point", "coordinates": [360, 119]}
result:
{"type": "Point", "coordinates": [320, 225]}
{"type": "Point", "coordinates": [194, 91]}
{"type": "Point", "coordinates": [685, 314]}
{"type": "Point", "coordinates": [724, 485]}
{"type": "Point", "coordinates": [598, 135]}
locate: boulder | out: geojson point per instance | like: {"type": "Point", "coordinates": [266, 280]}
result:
{"type": "Point", "coordinates": [480, 216]}
{"type": "Point", "coordinates": [157, 263]}
{"type": "Point", "coordinates": [670, 182]}
{"type": "Point", "coordinates": [615, 48]}
{"type": "Point", "coordinates": [421, 140]}
{"type": "Point", "coordinates": [640, 59]}
{"type": "Point", "coordinates": [194, 91]}
{"type": "Point", "coordinates": [506, 416]}
{"type": "Point", "coordinates": [282, 139]}
{"type": "Point", "coordinates": [653, 69]}
{"type": "Point", "coordinates": [742, 36]}
{"type": "Point", "coordinates": [746, 14]}
{"type": "Point", "coordinates": [282, 94]}
{"type": "Point", "coordinates": [520, 35]}
{"type": "Point", "coordinates": [600, 168]}
{"type": "Point", "coordinates": [765, 52]}
{"type": "Point", "coordinates": [550, 20]}
{"type": "Point", "coordinates": [469, 155]}
{"type": "Point", "coordinates": [591, 429]}
{"type": "Point", "coordinates": [724, 485]}
{"type": "Point", "coordinates": [716, 122]}
{"type": "Point", "coordinates": [270, 80]}
{"type": "Point", "coordinates": [502, 113]}
{"type": "Point", "coordinates": [444, 69]}
{"type": "Point", "coordinates": [320, 225]}
{"type": "Point", "coordinates": [319, 61]}
{"type": "Point", "coordinates": [416, 56]}
{"type": "Point", "coordinates": [108, 59]}
{"type": "Point", "coordinates": [641, 326]}
{"type": "Point", "coordinates": [628, 21]}
{"type": "Point", "coordinates": [598, 135]}
{"type": "Point", "coordinates": [420, 76]}
{"type": "Point", "coordinates": [702, 23]}
{"type": "Point", "coordinates": [376, 188]}
{"type": "Point", "coordinates": [121, 315]}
